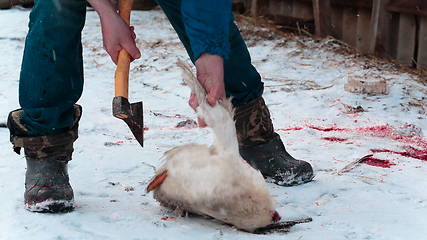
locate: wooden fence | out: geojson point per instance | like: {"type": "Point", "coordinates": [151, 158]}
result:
{"type": "Point", "coordinates": [394, 29]}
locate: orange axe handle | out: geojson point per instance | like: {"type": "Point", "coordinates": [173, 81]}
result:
{"type": "Point", "coordinates": [121, 78]}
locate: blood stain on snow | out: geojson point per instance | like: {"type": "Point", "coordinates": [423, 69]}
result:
{"type": "Point", "coordinates": [375, 162]}
{"type": "Point", "coordinates": [288, 129]}
{"type": "Point", "coordinates": [382, 131]}
{"type": "Point", "coordinates": [327, 129]}
{"type": "Point", "coordinates": [410, 152]}
{"type": "Point", "coordinates": [334, 139]}
{"type": "Point", "coordinates": [168, 218]}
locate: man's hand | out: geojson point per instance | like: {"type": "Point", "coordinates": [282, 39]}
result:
{"type": "Point", "coordinates": [210, 74]}
{"type": "Point", "coordinates": [116, 33]}
{"type": "Point", "coordinates": [116, 36]}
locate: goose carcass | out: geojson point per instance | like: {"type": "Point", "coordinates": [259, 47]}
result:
{"type": "Point", "coordinates": [214, 180]}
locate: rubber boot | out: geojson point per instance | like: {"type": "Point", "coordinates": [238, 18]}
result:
{"type": "Point", "coordinates": [47, 186]}
{"type": "Point", "coordinates": [262, 148]}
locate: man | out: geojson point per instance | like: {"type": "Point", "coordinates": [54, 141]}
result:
{"type": "Point", "coordinates": [51, 82]}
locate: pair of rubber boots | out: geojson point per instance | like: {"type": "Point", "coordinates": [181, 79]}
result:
{"type": "Point", "coordinates": [47, 187]}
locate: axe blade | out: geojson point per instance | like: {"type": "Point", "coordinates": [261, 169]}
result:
{"type": "Point", "coordinates": [132, 115]}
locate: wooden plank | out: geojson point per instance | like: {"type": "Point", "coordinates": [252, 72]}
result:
{"type": "Point", "coordinates": [297, 9]}
{"type": "Point", "coordinates": [286, 7]}
{"type": "Point", "coordinates": [322, 17]}
{"type": "Point", "coordinates": [422, 43]}
{"type": "Point", "coordinates": [241, 6]}
{"type": "Point", "coordinates": [259, 7]}
{"type": "Point", "coordinates": [363, 25]}
{"type": "Point", "coordinates": [307, 11]}
{"type": "Point", "coordinates": [406, 40]}
{"type": "Point", "coordinates": [349, 32]}
{"type": "Point", "coordinates": [379, 29]}
{"type": "Point", "coordinates": [393, 34]}
{"type": "Point", "coordinates": [348, 3]}
{"type": "Point", "coordinates": [238, 7]}
{"type": "Point", "coordinates": [416, 7]}
{"type": "Point", "coordinates": [337, 22]}
{"type": "Point", "coordinates": [353, 3]}
{"type": "Point", "coordinates": [247, 4]}
{"type": "Point", "coordinates": [275, 7]}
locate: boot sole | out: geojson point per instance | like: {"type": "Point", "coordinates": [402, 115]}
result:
{"type": "Point", "coordinates": [294, 181]}
{"type": "Point", "coordinates": [51, 206]}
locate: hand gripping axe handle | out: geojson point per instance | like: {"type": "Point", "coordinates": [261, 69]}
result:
{"type": "Point", "coordinates": [130, 113]}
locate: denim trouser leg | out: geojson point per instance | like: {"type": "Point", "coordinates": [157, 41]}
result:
{"type": "Point", "coordinates": [242, 81]}
{"type": "Point", "coordinates": [51, 78]}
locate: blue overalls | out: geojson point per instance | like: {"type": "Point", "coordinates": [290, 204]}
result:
{"type": "Point", "coordinates": [51, 79]}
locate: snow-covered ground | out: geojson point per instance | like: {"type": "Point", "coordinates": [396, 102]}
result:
{"type": "Point", "coordinates": [384, 197]}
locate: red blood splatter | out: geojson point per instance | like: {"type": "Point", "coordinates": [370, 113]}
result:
{"type": "Point", "coordinates": [328, 129]}
{"type": "Point", "coordinates": [276, 217]}
{"type": "Point", "coordinates": [288, 129]}
{"type": "Point", "coordinates": [168, 218]}
{"type": "Point", "coordinates": [375, 162]}
{"type": "Point", "coordinates": [334, 139]}
{"type": "Point", "coordinates": [415, 145]}
{"type": "Point", "coordinates": [416, 153]}
{"type": "Point", "coordinates": [146, 128]}
{"type": "Point", "coordinates": [410, 152]}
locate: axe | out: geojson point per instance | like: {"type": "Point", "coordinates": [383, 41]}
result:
{"type": "Point", "coordinates": [130, 113]}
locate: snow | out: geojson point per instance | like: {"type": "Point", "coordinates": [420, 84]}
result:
{"type": "Point", "coordinates": [304, 88]}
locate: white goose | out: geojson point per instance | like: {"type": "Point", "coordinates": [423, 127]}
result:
{"type": "Point", "coordinates": [214, 180]}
